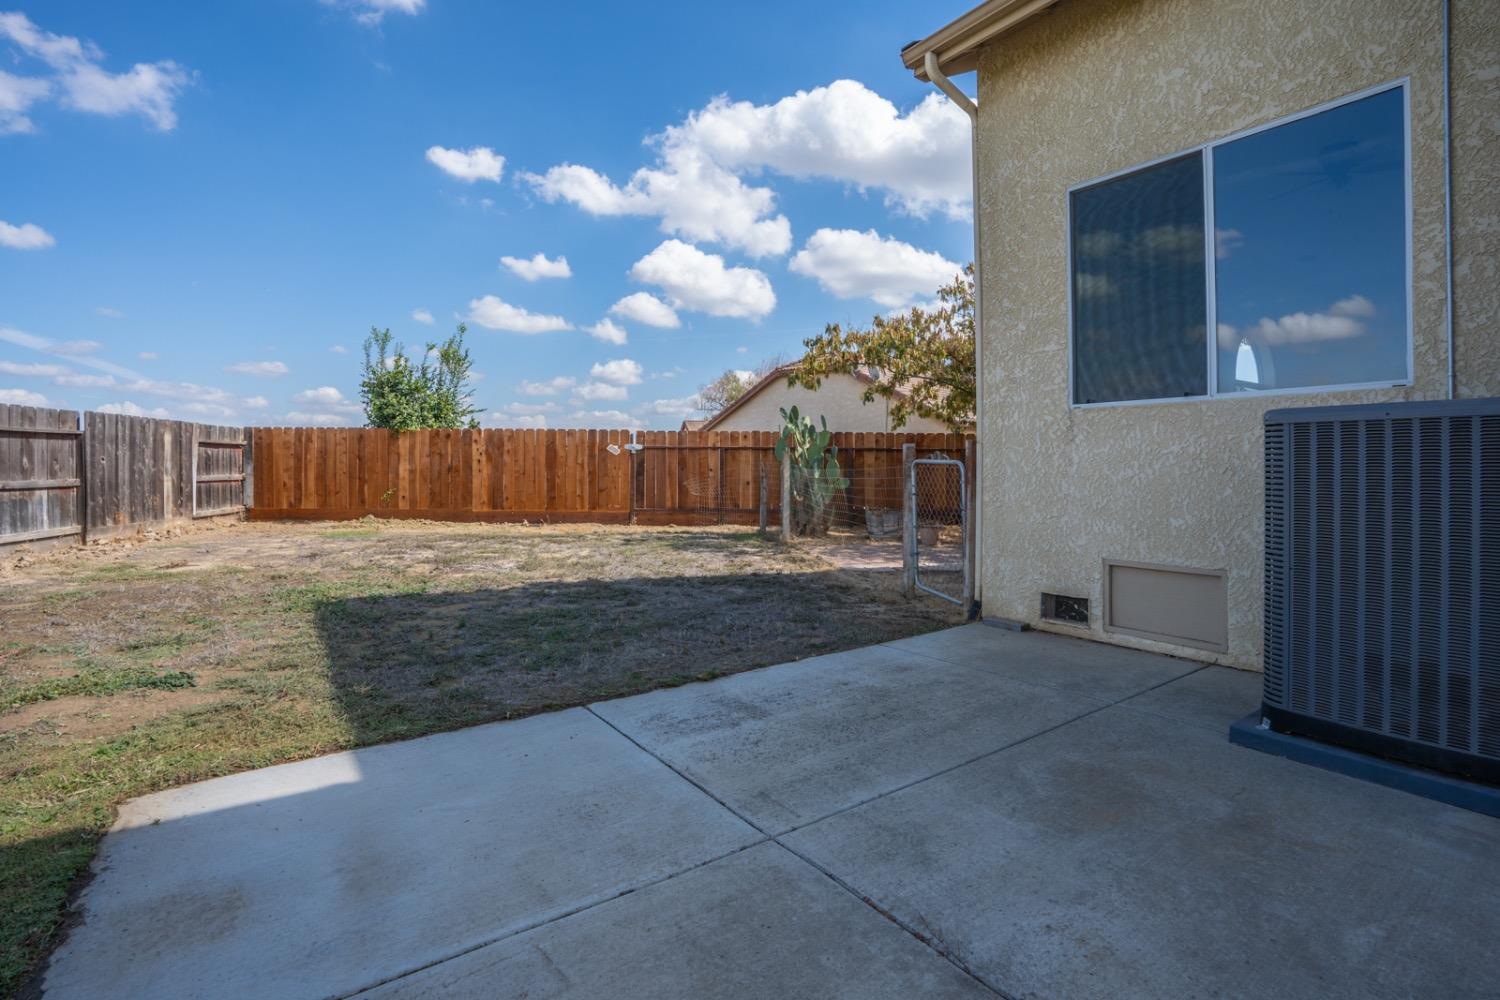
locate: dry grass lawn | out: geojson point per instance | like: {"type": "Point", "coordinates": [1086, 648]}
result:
{"type": "Point", "coordinates": [127, 669]}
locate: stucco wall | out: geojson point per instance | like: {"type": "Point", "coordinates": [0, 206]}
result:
{"type": "Point", "coordinates": [1097, 86]}
{"type": "Point", "coordinates": [1476, 187]}
{"type": "Point", "coordinates": [840, 398]}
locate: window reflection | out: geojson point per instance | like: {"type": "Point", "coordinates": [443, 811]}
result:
{"type": "Point", "coordinates": [1310, 248]}
{"type": "Point", "coordinates": [1139, 291]}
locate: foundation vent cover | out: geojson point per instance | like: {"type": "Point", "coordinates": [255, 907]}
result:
{"type": "Point", "coordinates": [1383, 579]}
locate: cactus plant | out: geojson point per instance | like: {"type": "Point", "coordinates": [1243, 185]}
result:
{"type": "Point", "coordinates": [815, 473]}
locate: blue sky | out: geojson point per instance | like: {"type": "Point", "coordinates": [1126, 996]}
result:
{"type": "Point", "coordinates": [204, 207]}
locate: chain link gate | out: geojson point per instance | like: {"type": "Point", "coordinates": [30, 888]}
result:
{"type": "Point", "coordinates": [938, 530]}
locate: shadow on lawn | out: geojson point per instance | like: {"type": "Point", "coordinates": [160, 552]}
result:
{"type": "Point", "coordinates": [409, 663]}
{"type": "Point", "coordinates": [404, 664]}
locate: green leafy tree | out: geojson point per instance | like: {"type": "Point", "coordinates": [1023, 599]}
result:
{"type": "Point", "coordinates": [402, 396]}
{"type": "Point", "coordinates": [924, 358]}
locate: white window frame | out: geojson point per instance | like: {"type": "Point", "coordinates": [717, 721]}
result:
{"type": "Point", "coordinates": [1206, 151]}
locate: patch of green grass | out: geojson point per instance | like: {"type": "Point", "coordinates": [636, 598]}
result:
{"type": "Point", "coordinates": [98, 683]}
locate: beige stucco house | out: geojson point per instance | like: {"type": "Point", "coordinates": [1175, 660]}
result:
{"type": "Point", "coordinates": [1190, 212]}
{"type": "Point", "coordinates": [840, 398]}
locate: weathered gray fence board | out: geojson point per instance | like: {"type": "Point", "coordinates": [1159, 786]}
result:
{"type": "Point", "coordinates": [116, 474]}
{"type": "Point", "coordinates": [38, 446]}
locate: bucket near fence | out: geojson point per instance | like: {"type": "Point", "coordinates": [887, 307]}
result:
{"type": "Point", "coordinates": [883, 522]}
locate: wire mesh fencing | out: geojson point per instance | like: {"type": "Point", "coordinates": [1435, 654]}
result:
{"type": "Point", "coordinates": [940, 522]}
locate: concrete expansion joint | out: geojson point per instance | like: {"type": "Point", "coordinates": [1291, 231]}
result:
{"type": "Point", "coordinates": [516, 932]}
{"type": "Point", "coordinates": [929, 941]}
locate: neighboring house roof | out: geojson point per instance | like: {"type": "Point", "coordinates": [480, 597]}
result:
{"type": "Point", "coordinates": [868, 376]}
{"type": "Point", "coordinates": [957, 42]}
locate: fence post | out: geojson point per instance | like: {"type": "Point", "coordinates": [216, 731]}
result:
{"type": "Point", "coordinates": [764, 514]}
{"type": "Point", "coordinates": [971, 611]}
{"type": "Point", "coordinates": [908, 521]}
{"type": "Point", "coordinates": [786, 496]}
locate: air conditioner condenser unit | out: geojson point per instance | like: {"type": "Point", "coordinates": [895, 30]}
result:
{"type": "Point", "coordinates": [1382, 576]}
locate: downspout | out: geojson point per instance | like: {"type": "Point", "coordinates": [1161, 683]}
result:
{"type": "Point", "coordinates": [947, 86]}
{"type": "Point", "coordinates": [1448, 181]}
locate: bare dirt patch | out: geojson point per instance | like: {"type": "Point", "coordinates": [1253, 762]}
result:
{"type": "Point", "coordinates": [129, 667]}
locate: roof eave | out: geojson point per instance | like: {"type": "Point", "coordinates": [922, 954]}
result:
{"type": "Point", "coordinates": [957, 43]}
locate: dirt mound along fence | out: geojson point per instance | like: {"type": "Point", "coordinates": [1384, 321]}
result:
{"type": "Point", "coordinates": [672, 477]}
{"type": "Point", "coordinates": [98, 474]}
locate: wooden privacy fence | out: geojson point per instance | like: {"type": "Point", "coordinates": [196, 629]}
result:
{"type": "Point", "coordinates": [111, 473]}
{"type": "Point", "coordinates": [602, 476]}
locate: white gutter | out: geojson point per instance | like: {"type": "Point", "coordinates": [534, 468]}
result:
{"type": "Point", "coordinates": [947, 86]}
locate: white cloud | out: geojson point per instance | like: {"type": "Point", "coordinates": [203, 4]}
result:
{"type": "Point", "coordinates": [621, 372]}
{"type": "Point", "coordinates": [310, 419]}
{"type": "Point", "coordinates": [82, 381]}
{"type": "Point", "coordinates": [699, 281]}
{"type": "Point", "coordinates": [1343, 320]}
{"type": "Point", "coordinates": [338, 349]}
{"type": "Point", "coordinates": [528, 409]}
{"type": "Point", "coordinates": [26, 236]}
{"type": "Point", "coordinates": [551, 387]}
{"type": "Point", "coordinates": [535, 421]}
{"type": "Point", "coordinates": [109, 312]}
{"type": "Point", "coordinates": [1226, 242]}
{"type": "Point", "coordinates": [148, 355]}
{"type": "Point", "coordinates": [843, 132]}
{"type": "Point", "coordinates": [538, 266]}
{"type": "Point", "coordinates": [608, 331]}
{"type": "Point", "coordinates": [33, 370]}
{"type": "Point", "coordinates": [17, 95]}
{"type": "Point", "coordinates": [477, 164]}
{"type": "Point", "coordinates": [613, 417]}
{"type": "Point", "coordinates": [130, 409]}
{"type": "Point", "coordinates": [1093, 286]}
{"type": "Point", "coordinates": [601, 392]}
{"type": "Point", "coordinates": [81, 83]}
{"type": "Point", "coordinates": [22, 397]}
{"type": "Point", "coordinates": [1301, 328]}
{"type": "Point", "coordinates": [852, 264]}
{"type": "Point", "coordinates": [1356, 306]}
{"type": "Point", "coordinates": [147, 89]}
{"type": "Point", "coordinates": [372, 12]}
{"type": "Point", "coordinates": [255, 402]}
{"type": "Point", "coordinates": [323, 395]}
{"type": "Point", "coordinates": [261, 368]}
{"type": "Point", "coordinates": [491, 312]}
{"type": "Point", "coordinates": [681, 408]}
{"type": "Point", "coordinates": [422, 316]}
{"type": "Point", "coordinates": [692, 196]}
{"type": "Point", "coordinates": [74, 348]}
{"type": "Point", "coordinates": [643, 307]}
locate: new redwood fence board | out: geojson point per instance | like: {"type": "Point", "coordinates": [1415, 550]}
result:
{"type": "Point", "coordinates": [693, 477]}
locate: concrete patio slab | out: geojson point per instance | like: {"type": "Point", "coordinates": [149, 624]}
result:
{"type": "Point", "coordinates": [974, 810]}
{"type": "Point", "coordinates": [1130, 855]}
{"type": "Point", "coordinates": [759, 924]}
{"type": "Point", "coordinates": [1213, 697]}
{"type": "Point", "coordinates": [1079, 668]}
{"type": "Point", "coordinates": [786, 745]}
{"type": "Point", "coordinates": [320, 878]}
